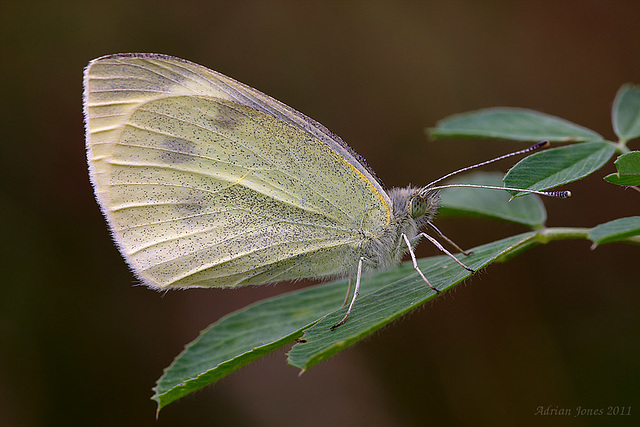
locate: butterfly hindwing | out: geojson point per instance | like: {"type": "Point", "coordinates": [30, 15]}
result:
{"type": "Point", "coordinates": [202, 190]}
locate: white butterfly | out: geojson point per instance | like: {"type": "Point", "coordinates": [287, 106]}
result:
{"type": "Point", "coordinates": [207, 182]}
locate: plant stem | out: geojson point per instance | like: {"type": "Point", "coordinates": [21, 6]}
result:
{"type": "Point", "coordinates": [562, 233]}
{"type": "Point", "coordinates": [621, 146]}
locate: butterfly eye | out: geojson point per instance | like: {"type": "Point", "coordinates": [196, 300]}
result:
{"type": "Point", "coordinates": [417, 207]}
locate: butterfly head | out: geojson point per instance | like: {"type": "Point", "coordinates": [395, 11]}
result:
{"type": "Point", "coordinates": [424, 203]}
{"type": "Point", "coordinates": [418, 204]}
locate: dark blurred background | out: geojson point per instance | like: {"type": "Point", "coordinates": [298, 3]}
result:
{"type": "Point", "coordinates": [556, 327]}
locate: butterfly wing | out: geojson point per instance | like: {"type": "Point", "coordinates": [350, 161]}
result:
{"type": "Point", "coordinates": [207, 182]}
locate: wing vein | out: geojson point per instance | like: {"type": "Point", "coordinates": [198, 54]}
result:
{"type": "Point", "coordinates": [250, 149]}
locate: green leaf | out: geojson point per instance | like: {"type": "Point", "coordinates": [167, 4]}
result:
{"type": "Point", "coordinates": [406, 292]}
{"type": "Point", "coordinates": [256, 330]}
{"type": "Point", "coordinates": [244, 336]}
{"type": "Point", "coordinates": [625, 113]}
{"type": "Point", "coordinates": [512, 123]}
{"type": "Point", "coordinates": [628, 166]}
{"type": "Point", "coordinates": [615, 230]}
{"type": "Point", "coordinates": [490, 203]}
{"type": "Point", "coordinates": [551, 168]}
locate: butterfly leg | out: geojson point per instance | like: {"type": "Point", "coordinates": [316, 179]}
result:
{"type": "Point", "coordinates": [355, 294]}
{"type": "Point", "coordinates": [443, 250]}
{"type": "Point", "coordinates": [415, 263]}
{"type": "Point", "coordinates": [451, 242]}
{"type": "Point", "coordinates": [346, 297]}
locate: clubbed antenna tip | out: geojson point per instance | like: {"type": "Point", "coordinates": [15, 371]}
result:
{"type": "Point", "coordinates": [560, 194]}
{"type": "Point", "coordinates": [541, 144]}
{"type": "Point", "coordinates": [555, 194]}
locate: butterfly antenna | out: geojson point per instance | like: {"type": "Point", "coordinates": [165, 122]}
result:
{"type": "Point", "coordinates": [556, 194]}
{"type": "Point", "coordinates": [534, 147]}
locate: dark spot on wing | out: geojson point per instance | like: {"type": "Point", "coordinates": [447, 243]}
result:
{"type": "Point", "coordinates": [225, 122]}
{"type": "Point", "coordinates": [226, 116]}
{"type": "Point", "coordinates": [189, 208]}
{"type": "Point", "coordinates": [176, 150]}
